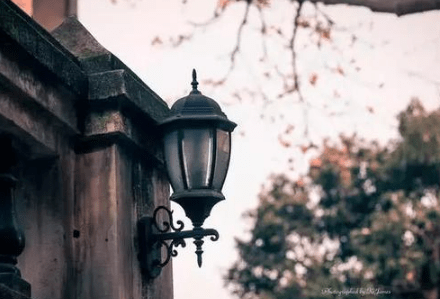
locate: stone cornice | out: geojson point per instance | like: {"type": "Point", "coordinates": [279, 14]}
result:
{"type": "Point", "coordinates": [40, 44]}
{"type": "Point", "coordinates": [72, 82]}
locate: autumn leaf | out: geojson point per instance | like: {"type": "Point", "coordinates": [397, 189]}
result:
{"type": "Point", "coordinates": [263, 3]}
{"type": "Point", "coordinates": [156, 41]}
{"type": "Point", "coordinates": [289, 129]}
{"type": "Point", "coordinates": [316, 163]}
{"type": "Point", "coordinates": [304, 148]}
{"type": "Point", "coordinates": [313, 78]}
{"type": "Point", "coordinates": [303, 23]}
{"type": "Point", "coordinates": [325, 34]}
{"type": "Point", "coordinates": [283, 142]}
{"type": "Point", "coordinates": [340, 71]}
{"type": "Point", "coordinates": [223, 3]}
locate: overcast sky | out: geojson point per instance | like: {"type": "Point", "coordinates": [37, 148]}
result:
{"type": "Point", "coordinates": [392, 60]}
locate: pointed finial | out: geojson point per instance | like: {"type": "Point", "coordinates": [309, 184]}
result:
{"type": "Point", "coordinates": [199, 251]}
{"type": "Point", "coordinates": [199, 259]}
{"type": "Point", "coordinates": [194, 82]}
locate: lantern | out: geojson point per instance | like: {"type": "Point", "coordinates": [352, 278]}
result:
{"type": "Point", "coordinates": [197, 147]}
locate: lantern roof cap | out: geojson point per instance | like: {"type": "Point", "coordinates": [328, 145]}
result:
{"type": "Point", "coordinates": [196, 107]}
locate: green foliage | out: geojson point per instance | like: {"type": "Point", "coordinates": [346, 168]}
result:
{"type": "Point", "coordinates": [364, 218]}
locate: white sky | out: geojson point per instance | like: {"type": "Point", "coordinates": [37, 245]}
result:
{"type": "Point", "coordinates": [403, 54]}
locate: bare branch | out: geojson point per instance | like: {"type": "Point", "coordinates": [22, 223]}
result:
{"type": "Point", "coordinates": [423, 77]}
{"type": "Point", "coordinates": [215, 17]}
{"type": "Point", "coordinates": [398, 7]}
{"type": "Point", "coordinates": [326, 16]}
{"type": "Point", "coordinates": [236, 49]}
{"type": "Point", "coordinates": [239, 33]}
{"type": "Point", "coordinates": [296, 84]}
{"type": "Point", "coordinates": [263, 32]}
{"type": "Point", "coordinates": [292, 49]}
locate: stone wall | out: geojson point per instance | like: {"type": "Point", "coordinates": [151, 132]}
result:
{"type": "Point", "coordinates": [84, 129]}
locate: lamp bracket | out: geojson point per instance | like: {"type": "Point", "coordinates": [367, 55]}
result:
{"type": "Point", "coordinates": [154, 237]}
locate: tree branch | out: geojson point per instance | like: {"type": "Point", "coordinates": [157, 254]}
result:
{"type": "Point", "coordinates": [240, 30]}
{"type": "Point", "coordinates": [292, 50]}
{"type": "Point", "coordinates": [398, 7]}
{"type": "Point", "coordinates": [296, 84]}
{"type": "Point", "coordinates": [237, 46]}
{"type": "Point", "coordinates": [263, 32]}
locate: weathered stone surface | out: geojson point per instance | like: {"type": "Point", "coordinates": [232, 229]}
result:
{"type": "Point", "coordinates": [33, 102]}
{"type": "Point", "coordinates": [85, 128]}
{"type": "Point", "coordinates": [75, 37]}
{"type": "Point", "coordinates": [110, 198]}
{"type": "Point", "coordinates": [28, 124]}
{"type": "Point", "coordinates": [36, 41]}
{"type": "Point", "coordinates": [162, 286]}
{"type": "Point", "coordinates": [15, 283]}
{"type": "Point", "coordinates": [7, 293]}
{"type": "Point", "coordinates": [109, 77]}
{"type": "Point", "coordinates": [119, 104]}
{"type": "Point", "coordinates": [131, 93]}
{"type": "Point", "coordinates": [45, 198]}
{"type": "Point", "coordinates": [37, 85]}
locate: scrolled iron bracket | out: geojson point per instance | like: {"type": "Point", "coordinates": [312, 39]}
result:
{"type": "Point", "coordinates": [154, 237]}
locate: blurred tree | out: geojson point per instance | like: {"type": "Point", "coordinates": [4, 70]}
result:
{"type": "Point", "coordinates": [364, 220]}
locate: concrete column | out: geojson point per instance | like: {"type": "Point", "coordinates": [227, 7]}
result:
{"type": "Point", "coordinates": [91, 161]}
{"type": "Point", "coordinates": [113, 189]}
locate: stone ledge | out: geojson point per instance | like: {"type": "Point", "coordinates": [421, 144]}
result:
{"type": "Point", "coordinates": [13, 287]}
{"type": "Point", "coordinates": [37, 87]}
{"type": "Point", "coordinates": [67, 85]}
{"type": "Point", "coordinates": [131, 94]}
{"type": "Point", "coordinates": [108, 76]}
{"type": "Point", "coordinates": [7, 293]}
{"type": "Point", "coordinates": [35, 40]}
{"type": "Point", "coordinates": [100, 141]}
{"type": "Point", "coordinates": [102, 125]}
{"type": "Point", "coordinates": [118, 102]}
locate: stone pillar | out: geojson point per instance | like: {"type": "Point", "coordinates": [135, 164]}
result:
{"type": "Point", "coordinates": [120, 175]}
{"type": "Point", "coordinates": [114, 188]}
{"type": "Point", "coordinates": [91, 162]}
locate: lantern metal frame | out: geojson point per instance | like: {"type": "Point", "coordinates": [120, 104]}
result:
{"type": "Point", "coordinates": [153, 237]}
{"type": "Point", "coordinates": [194, 111]}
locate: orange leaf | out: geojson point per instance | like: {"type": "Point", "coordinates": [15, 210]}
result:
{"type": "Point", "coordinates": [340, 71]}
{"type": "Point", "coordinates": [284, 143]}
{"type": "Point", "coordinates": [313, 78]}
{"type": "Point", "coordinates": [316, 163]}
{"type": "Point", "coordinates": [223, 3]}
{"type": "Point", "coordinates": [156, 41]}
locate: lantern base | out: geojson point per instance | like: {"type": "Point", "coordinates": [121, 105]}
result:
{"type": "Point", "coordinates": [197, 203]}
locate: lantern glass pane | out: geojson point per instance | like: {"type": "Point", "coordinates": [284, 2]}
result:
{"type": "Point", "coordinates": [171, 144]}
{"type": "Point", "coordinates": [197, 147]}
{"type": "Point", "coordinates": [221, 159]}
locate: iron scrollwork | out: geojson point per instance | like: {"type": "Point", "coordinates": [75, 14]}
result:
{"type": "Point", "coordinates": [167, 225]}
{"type": "Point", "coordinates": [153, 237]}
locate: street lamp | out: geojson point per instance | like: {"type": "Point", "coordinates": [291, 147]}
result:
{"type": "Point", "coordinates": [197, 148]}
